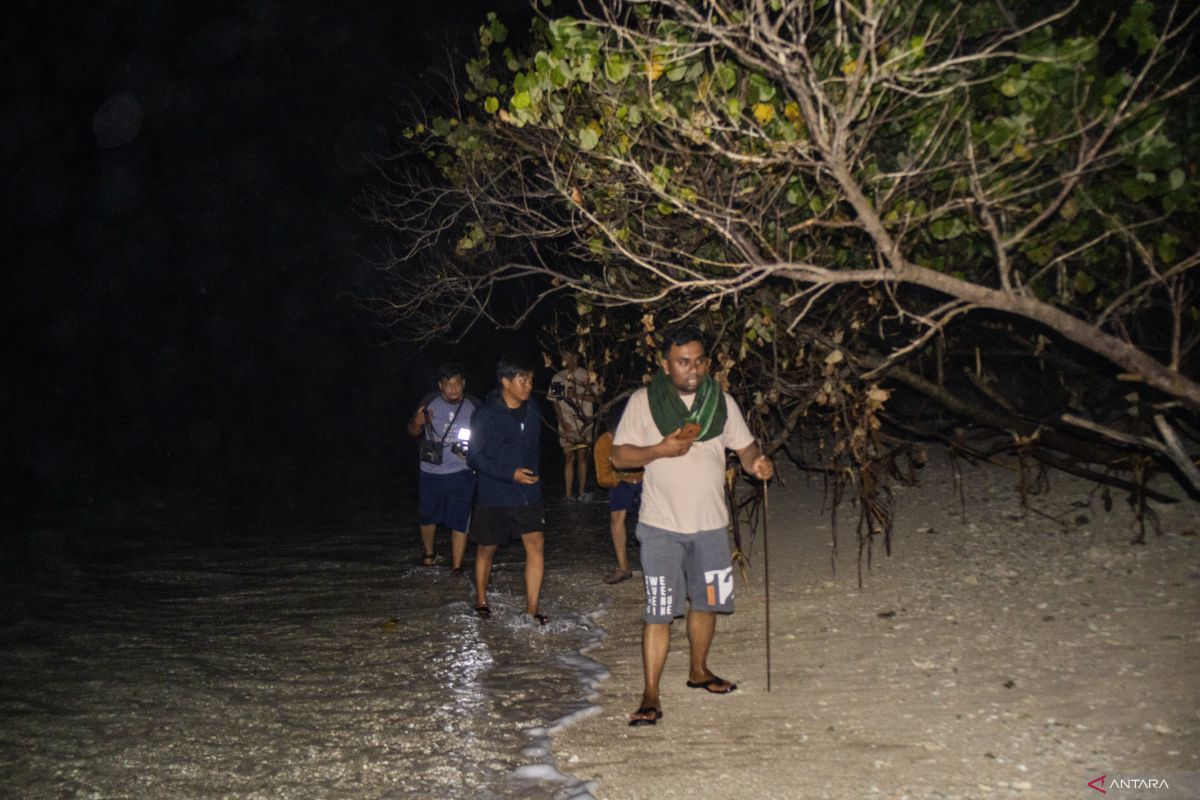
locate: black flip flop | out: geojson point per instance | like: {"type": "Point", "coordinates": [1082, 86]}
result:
{"type": "Point", "coordinates": [643, 720]}
{"type": "Point", "coordinates": [483, 612]}
{"type": "Point", "coordinates": [708, 684]}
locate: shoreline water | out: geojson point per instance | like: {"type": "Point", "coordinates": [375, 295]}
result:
{"type": "Point", "coordinates": [162, 652]}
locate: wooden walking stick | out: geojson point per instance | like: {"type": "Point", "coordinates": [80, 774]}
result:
{"type": "Point", "coordinates": [767, 580]}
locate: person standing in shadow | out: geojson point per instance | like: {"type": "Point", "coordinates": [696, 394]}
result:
{"type": "Point", "coordinates": [573, 394]}
{"type": "Point", "coordinates": [624, 495]}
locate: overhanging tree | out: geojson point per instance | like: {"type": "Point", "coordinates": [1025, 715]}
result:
{"type": "Point", "coordinates": [853, 189]}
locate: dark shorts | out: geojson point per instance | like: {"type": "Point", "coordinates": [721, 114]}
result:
{"type": "Point", "coordinates": [446, 499]}
{"type": "Point", "coordinates": [503, 524]}
{"type": "Point", "coordinates": [675, 565]}
{"type": "Point", "coordinates": [625, 496]}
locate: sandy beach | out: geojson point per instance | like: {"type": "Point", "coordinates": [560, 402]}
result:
{"type": "Point", "coordinates": [998, 652]}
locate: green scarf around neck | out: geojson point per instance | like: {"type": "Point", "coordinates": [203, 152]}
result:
{"type": "Point", "coordinates": [708, 409]}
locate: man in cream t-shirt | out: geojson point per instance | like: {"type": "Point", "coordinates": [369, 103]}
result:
{"type": "Point", "coordinates": [679, 428]}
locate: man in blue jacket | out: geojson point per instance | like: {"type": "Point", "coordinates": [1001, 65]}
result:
{"type": "Point", "coordinates": [505, 434]}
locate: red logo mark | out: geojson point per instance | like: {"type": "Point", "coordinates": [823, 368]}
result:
{"type": "Point", "coordinates": [1100, 781]}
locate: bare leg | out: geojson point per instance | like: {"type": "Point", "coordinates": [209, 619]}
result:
{"type": "Point", "coordinates": [656, 642]}
{"type": "Point", "coordinates": [458, 548]}
{"type": "Point", "coordinates": [484, 553]}
{"type": "Point", "coordinates": [569, 471]}
{"type": "Point", "coordinates": [535, 568]}
{"type": "Point", "coordinates": [616, 525]}
{"type": "Point", "coordinates": [427, 532]}
{"type": "Point", "coordinates": [700, 628]}
{"type": "Point", "coordinates": [583, 469]}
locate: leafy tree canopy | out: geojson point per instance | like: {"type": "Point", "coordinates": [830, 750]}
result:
{"type": "Point", "coordinates": [852, 194]}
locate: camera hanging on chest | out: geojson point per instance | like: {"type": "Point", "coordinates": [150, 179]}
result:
{"type": "Point", "coordinates": [429, 449]}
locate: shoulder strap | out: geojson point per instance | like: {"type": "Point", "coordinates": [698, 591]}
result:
{"type": "Point", "coordinates": [446, 432]}
{"type": "Point", "coordinates": [427, 430]}
{"type": "Point", "coordinates": [428, 434]}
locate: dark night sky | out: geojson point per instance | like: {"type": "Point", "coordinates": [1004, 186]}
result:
{"type": "Point", "coordinates": [181, 243]}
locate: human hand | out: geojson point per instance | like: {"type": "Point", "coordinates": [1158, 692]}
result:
{"type": "Point", "coordinates": [677, 443]}
{"type": "Point", "coordinates": [525, 476]}
{"type": "Point", "coordinates": [763, 468]}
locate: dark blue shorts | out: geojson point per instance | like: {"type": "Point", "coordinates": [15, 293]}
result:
{"type": "Point", "coordinates": [500, 525]}
{"type": "Point", "coordinates": [446, 499]}
{"type": "Point", "coordinates": [625, 496]}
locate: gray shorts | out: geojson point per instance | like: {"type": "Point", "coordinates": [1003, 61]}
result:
{"type": "Point", "coordinates": [677, 564]}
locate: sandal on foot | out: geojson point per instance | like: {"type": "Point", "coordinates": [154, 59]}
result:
{"type": "Point", "coordinates": [710, 683]}
{"type": "Point", "coordinates": [617, 576]}
{"type": "Point", "coordinates": [539, 618]}
{"type": "Point", "coordinates": [646, 715]}
{"type": "Point", "coordinates": [483, 612]}
{"type": "Point", "coordinates": [429, 560]}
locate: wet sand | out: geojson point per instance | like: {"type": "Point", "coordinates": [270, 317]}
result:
{"type": "Point", "coordinates": [998, 652]}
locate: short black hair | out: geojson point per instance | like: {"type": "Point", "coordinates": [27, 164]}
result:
{"type": "Point", "coordinates": [450, 369]}
{"type": "Point", "coordinates": [511, 366]}
{"type": "Point", "coordinates": [680, 335]}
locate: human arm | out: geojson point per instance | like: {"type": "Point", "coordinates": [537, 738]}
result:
{"type": "Point", "coordinates": [738, 438]}
{"type": "Point", "coordinates": [632, 456]}
{"type": "Point", "coordinates": [531, 435]}
{"type": "Point", "coordinates": [755, 463]}
{"type": "Point", "coordinates": [417, 421]}
{"type": "Point", "coordinates": [525, 476]}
